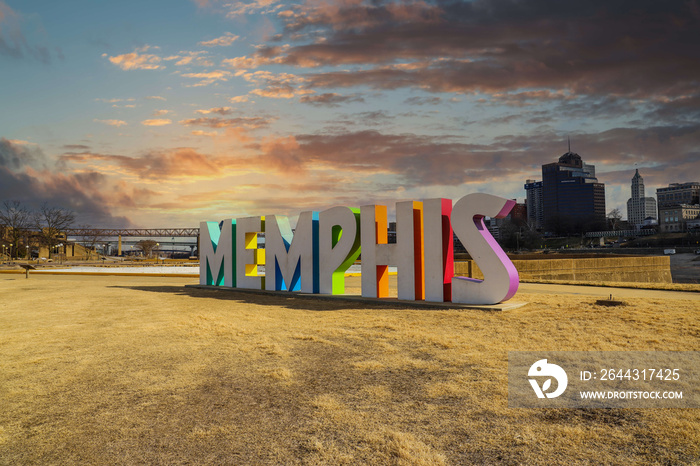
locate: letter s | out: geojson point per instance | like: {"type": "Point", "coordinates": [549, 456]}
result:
{"type": "Point", "coordinates": [501, 279]}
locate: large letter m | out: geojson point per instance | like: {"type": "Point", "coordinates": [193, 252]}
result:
{"type": "Point", "coordinates": [217, 253]}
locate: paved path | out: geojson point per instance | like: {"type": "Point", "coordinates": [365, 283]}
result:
{"type": "Point", "coordinates": [685, 268]}
{"type": "Point", "coordinates": [605, 291]}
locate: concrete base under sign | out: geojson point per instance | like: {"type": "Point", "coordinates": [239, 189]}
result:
{"type": "Point", "coordinates": [508, 305]}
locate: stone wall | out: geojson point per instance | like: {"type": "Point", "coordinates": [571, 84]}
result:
{"type": "Point", "coordinates": [648, 269]}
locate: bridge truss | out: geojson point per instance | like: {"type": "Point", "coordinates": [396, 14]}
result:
{"type": "Point", "coordinates": [145, 232]}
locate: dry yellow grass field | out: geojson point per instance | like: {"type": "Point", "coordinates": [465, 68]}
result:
{"type": "Point", "coordinates": [130, 370]}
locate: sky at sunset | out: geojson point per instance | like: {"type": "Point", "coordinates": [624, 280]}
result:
{"type": "Point", "coordinates": [164, 113]}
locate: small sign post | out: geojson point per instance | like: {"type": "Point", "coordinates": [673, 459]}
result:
{"type": "Point", "coordinates": [27, 268]}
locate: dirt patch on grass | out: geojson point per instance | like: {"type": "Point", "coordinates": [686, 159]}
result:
{"type": "Point", "coordinates": [124, 370]}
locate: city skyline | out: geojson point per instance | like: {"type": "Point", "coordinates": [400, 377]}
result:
{"type": "Point", "coordinates": [170, 113]}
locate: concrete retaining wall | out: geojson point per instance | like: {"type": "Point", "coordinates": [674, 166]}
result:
{"type": "Point", "coordinates": [646, 269]}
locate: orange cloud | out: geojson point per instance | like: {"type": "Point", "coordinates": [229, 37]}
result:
{"type": "Point", "coordinates": [137, 60]}
{"type": "Point", "coordinates": [281, 92]}
{"type": "Point", "coordinates": [256, 61]}
{"type": "Point", "coordinates": [239, 135]}
{"type": "Point", "coordinates": [270, 78]}
{"type": "Point", "coordinates": [242, 8]}
{"type": "Point", "coordinates": [277, 86]}
{"type": "Point", "coordinates": [413, 160]}
{"type": "Point", "coordinates": [219, 110]}
{"type": "Point", "coordinates": [283, 153]}
{"type": "Point", "coordinates": [156, 122]}
{"type": "Point", "coordinates": [157, 165]}
{"type": "Point", "coordinates": [199, 132]}
{"type": "Point", "coordinates": [223, 41]}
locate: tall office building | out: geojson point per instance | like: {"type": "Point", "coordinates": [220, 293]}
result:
{"type": "Point", "coordinates": [639, 207]}
{"type": "Point", "coordinates": [572, 198]}
{"type": "Point", "coordinates": [533, 201]}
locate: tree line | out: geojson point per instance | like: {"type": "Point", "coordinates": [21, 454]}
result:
{"type": "Point", "coordinates": [22, 224]}
{"type": "Point", "coordinates": [22, 228]}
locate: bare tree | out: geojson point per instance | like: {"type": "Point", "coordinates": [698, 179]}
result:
{"type": "Point", "coordinates": [615, 218]}
{"type": "Point", "coordinates": [17, 220]}
{"type": "Point", "coordinates": [148, 246]}
{"type": "Point", "coordinates": [51, 221]}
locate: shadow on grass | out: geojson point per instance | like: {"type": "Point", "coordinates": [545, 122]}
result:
{"type": "Point", "coordinates": [290, 300]}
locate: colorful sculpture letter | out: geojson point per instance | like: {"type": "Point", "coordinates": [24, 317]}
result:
{"type": "Point", "coordinates": [408, 253]}
{"type": "Point", "coordinates": [290, 257]}
{"type": "Point", "coordinates": [217, 253]}
{"type": "Point", "coordinates": [439, 249]}
{"type": "Point", "coordinates": [248, 255]}
{"type": "Point", "coordinates": [500, 276]}
{"type": "Point", "coordinates": [339, 247]}
{"type": "Point", "coordinates": [376, 253]}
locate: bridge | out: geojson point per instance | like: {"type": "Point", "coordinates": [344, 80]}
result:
{"type": "Point", "coordinates": [132, 232]}
{"type": "Point", "coordinates": [611, 233]}
{"type": "Point", "coordinates": [147, 232]}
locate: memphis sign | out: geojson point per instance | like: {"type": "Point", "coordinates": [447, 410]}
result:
{"type": "Point", "coordinates": [315, 257]}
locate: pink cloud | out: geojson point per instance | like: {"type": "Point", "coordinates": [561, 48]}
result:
{"type": "Point", "coordinates": [208, 78]}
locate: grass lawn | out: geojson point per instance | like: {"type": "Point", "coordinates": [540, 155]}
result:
{"type": "Point", "coordinates": [131, 370]}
